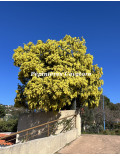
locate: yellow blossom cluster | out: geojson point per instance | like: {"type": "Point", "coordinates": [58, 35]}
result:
{"type": "Point", "coordinates": [54, 92]}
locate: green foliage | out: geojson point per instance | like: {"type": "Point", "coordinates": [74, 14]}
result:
{"type": "Point", "coordinates": [112, 132]}
{"type": "Point", "coordinates": [8, 126]}
{"type": "Point", "coordinates": [94, 129]}
{"type": "Point", "coordinates": [54, 92]}
{"type": "Point", "coordinates": [65, 124]}
{"type": "Point", "coordinates": [117, 126]}
{"type": "Point", "coordinates": [22, 102]}
{"type": "Point", "coordinates": [2, 111]}
{"type": "Point", "coordinates": [92, 120]}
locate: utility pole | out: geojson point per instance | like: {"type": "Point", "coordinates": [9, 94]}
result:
{"type": "Point", "coordinates": [103, 113]}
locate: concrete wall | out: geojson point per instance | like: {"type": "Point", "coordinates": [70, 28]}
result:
{"type": "Point", "coordinates": [47, 145]}
{"type": "Point", "coordinates": [29, 120]}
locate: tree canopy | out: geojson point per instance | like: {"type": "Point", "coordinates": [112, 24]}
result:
{"type": "Point", "coordinates": [67, 55]}
{"type": "Point", "coordinates": [2, 111]}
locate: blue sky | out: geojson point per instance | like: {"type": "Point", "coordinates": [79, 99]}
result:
{"type": "Point", "coordinates": [97, 22]}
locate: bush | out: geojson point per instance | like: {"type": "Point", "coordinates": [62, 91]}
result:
{"type": "Point", "coordinates": [117, 131]}
{"type": "Point", "coordinates": [8, 126]}
{"type": "Point", "coordinates": [93, 129]}
{"type": "Point", "coordinates": [112, 132]}
{"type": "Point", "coordinates": [117, 126]}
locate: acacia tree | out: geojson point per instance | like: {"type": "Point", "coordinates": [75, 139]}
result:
{"type": "Point", "coordinates": [67, 55]}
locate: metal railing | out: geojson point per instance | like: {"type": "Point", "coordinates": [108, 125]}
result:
{"type": "Point", "coordinates": [43, 130]}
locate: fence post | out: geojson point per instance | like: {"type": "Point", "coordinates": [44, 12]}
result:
{"type": "Point", "coordinates": [27, 136]}
{"type": "Point", "coordinates": [48, 129]}
{"type": "Point", "coordinates": [78, 122]}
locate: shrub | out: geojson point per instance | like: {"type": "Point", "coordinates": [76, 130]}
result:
{"type": "Point", "coordinates": [112, 132]}
{"type": "Point", "coordinates": [8, 126]}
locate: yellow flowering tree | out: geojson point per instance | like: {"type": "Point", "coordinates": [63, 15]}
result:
{"type": "Point", "coordinates": [54, 92]}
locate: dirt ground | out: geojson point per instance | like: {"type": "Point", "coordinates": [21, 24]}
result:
{"type": "Point", "coordinates": [93, 144]}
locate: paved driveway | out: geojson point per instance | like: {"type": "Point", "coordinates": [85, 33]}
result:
{"type": "Point", "coordinates": [93, 144]}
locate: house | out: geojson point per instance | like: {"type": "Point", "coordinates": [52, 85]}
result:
{"type": "Point", "coordinates": [7, 116]}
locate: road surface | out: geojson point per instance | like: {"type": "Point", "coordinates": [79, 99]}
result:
{"type": "Point", "coordinates": [93, 144]}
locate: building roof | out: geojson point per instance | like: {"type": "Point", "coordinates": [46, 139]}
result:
{"type": "Point", "coordinates": [3, 142]}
